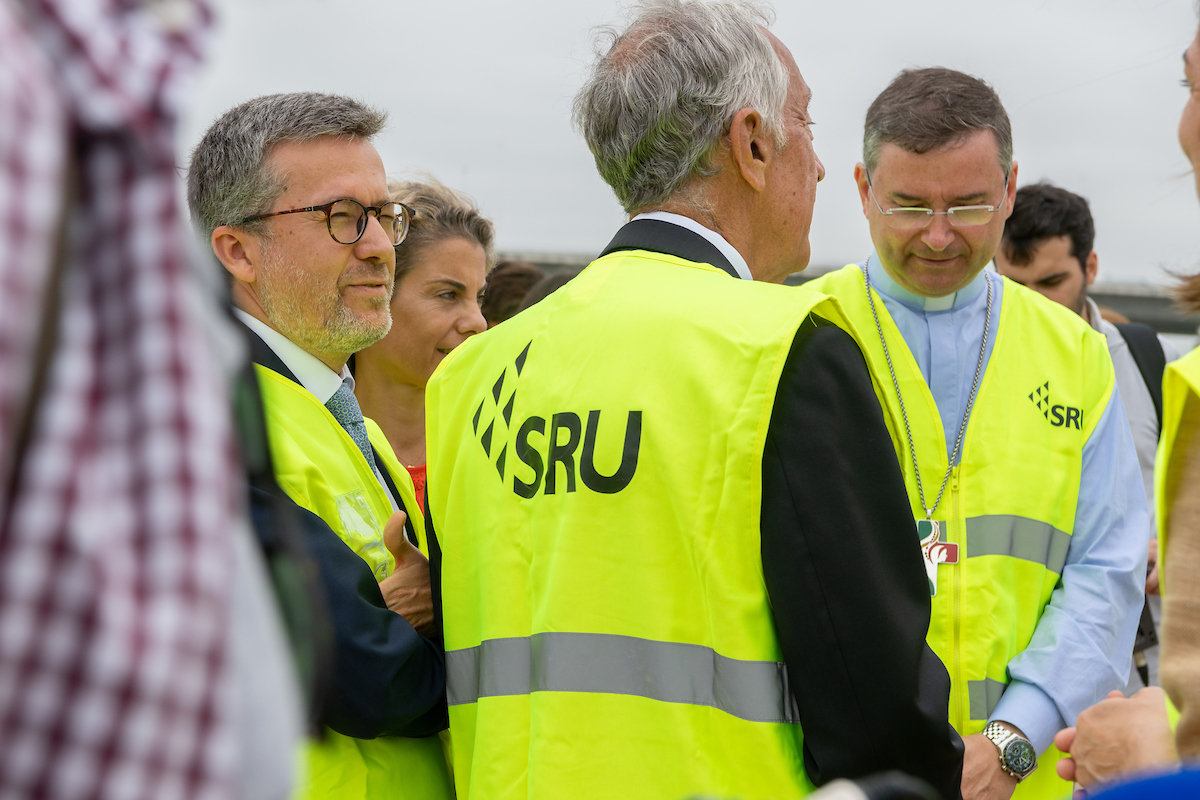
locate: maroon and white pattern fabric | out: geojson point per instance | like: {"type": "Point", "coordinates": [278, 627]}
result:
{"type": "Point", "coordinates": [115, 536]}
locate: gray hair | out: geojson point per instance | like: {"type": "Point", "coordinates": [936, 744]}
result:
{"type": "Point", "coordinates": [924, 109]}
{"type": "Point", "coordinates": [663, 93]}
{"type": "Point", "coordinates": [230, 177]}
{"type": "Point", "coordinates": [442, 213]}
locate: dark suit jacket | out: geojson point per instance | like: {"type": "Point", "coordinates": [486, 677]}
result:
{"type": "Point", "coordinates": [840, 558]}
{"type": "Point", "coordinates": [387, 680]}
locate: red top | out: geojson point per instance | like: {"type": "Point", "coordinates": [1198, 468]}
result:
{"type": "Point", "coordinates": [418, 479]}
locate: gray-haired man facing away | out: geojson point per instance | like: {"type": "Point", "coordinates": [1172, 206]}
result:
{"type": "Point", "coordinates": [672, 540]}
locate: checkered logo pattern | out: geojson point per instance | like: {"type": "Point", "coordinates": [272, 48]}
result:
{"type": "Point", "coordinates": [1041, 398]}
{"type": "Point", "coordinates": [493, 419]}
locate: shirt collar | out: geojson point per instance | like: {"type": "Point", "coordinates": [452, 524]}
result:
{"type": "Point", "coordinates": [884, 284]}
{"type": "Point", "coordinates": [1092, 312]}
{"type": "Point", "coordinates": [717, 240]}
{"type": "Point", "coordinates": [312, 373]}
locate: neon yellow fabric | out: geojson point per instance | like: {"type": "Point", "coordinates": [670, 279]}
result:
{"type": "Point", "coordinates": [1181, 377]}
{"type": "Point", "coordinates": [1010, 504]}
{"type": "Point", "coordinates": [320, 467]}
{"type": "Point", "coordinates": [402, 480]}
{"type": "Point", "coordinates": [604, 565]}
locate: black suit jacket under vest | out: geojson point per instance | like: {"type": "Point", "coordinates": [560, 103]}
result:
{"type": "Point", "coordinates": [387, 679]}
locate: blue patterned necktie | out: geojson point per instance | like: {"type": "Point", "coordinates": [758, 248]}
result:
{"type": "Point", "coordinates": [344, 407]}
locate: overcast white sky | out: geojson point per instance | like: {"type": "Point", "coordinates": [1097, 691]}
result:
{"type": "Point", "coordinates": [479, 94]}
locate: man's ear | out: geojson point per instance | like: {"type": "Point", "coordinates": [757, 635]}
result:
{"type": "Point", "coordinates": [751, 148]}
{"type": "Point", "coordinates": [237, 251]}
{"type": "Point", "coordinates": [1091, 267]}
{"type": "Point", "coordinates": [864, 189]}
{"type": "Point", "coordinates": [1010, 198]}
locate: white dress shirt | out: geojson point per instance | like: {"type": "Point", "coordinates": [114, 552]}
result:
{"type": "Point", "coordinates": [313, 374]}
{"type": "Point", "coordinates": [715, 239]}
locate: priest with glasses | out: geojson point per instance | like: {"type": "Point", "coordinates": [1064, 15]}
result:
{"type": "Point", "coordinates": [1026, 497]}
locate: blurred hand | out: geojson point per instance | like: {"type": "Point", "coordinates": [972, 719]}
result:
{"type": "Point", "coordinates": [1152, 566]}
{"type": "Point", "coordinates": [1118, 738]}
{"type": "Point", "coordinates": [406, 591]}
{"type": "Point", "coordinates": [983, 777]}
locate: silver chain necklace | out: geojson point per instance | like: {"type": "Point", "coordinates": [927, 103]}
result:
{"type": "Point", "coordinates": [962, 428]}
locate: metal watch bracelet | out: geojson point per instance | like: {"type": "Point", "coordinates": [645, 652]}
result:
{"type": "Point", "coordinates": [1004, 739]}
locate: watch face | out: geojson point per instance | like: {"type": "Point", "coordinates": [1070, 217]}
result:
{"type": "Point", "coordinates": [1019, 756]}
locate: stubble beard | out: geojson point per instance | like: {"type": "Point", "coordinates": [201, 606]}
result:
{"type": "Point", "coordinates": [321, 324]}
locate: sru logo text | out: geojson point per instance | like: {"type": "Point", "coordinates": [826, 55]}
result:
{"type": "Point", "coordinates": [1065, 415]}
{"type": "Point", "coordinates": [562, 438]}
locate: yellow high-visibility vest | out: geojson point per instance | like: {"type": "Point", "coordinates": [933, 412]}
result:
{"type": "Point", "coordinates": [1010, 504]}
{"type": "Point", "coordinates": [1182, 377]}
{"type": "Point", "coordinates": [595, 481]}
{"type": "Point", "coordinates": [321, 468]}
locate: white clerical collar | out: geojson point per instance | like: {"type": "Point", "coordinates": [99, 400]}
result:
{"type": "Point", "coordinates": [312, 373]}
{"type": "Point", "coordinates": [717, 240]}
{"type": "Point", "coordinates": [884, 284]}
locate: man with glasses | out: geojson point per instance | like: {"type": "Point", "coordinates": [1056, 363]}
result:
{"type": "Point", "coordinates": [294, 200]}
{"type": "Point", "coordinates": [1003, 411]}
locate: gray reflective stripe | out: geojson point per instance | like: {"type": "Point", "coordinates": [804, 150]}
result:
{"type": "Point", "coordinates": [1019, 537]}
{"type": "Point", "coordinates": [607, 664]}
{"type": "Point", "coordinates": [474, 672]}
{"type": "Point", "coordinates": [984, 696]}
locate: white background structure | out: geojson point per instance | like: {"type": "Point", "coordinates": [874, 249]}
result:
{"type": "Point", "coordinates": [480, 93]}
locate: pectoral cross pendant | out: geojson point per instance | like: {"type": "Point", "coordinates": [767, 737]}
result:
{"type": "Point", "coordinates": [934, 551]}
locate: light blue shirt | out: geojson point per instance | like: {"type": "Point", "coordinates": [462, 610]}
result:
{"type": "Point", "coordinates": [1082, 647]}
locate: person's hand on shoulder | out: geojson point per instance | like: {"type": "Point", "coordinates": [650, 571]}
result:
{"type": "Point", "coordinates": [1118, 738]}
{"type": "Point", "coordinates": [406, 591]}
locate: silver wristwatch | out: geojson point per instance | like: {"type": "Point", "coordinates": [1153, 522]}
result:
{"type": "Point", "coordinates": [1017, 756]}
